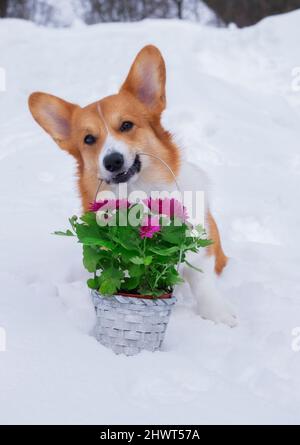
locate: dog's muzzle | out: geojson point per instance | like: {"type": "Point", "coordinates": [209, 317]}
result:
{"type": "Point", "coordinates": [126, 175]}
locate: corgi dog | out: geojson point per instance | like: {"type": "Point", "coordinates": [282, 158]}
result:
{"type": "Point", "coordinates": [106, 139]}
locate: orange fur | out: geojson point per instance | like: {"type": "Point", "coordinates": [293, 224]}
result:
{"type": "Point", "coordinates": [216, 248]}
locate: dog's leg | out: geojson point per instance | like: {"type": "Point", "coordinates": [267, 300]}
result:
{"type": "Point", "coordinates": [216, 249]}
{"type": "Point", "coordinates": [210, 303]}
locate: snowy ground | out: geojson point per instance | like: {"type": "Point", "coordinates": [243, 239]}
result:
{"type": "Point", "coordinates": [232, 107]}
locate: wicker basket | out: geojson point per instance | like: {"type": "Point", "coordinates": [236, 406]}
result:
{"type": "Point", "coordinates": [128, 325]}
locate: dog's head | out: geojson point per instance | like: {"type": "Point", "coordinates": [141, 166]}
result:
{"type": "Point", "coordinates": [107, 137]}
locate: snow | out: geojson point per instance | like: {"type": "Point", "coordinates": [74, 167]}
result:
{"type": "Point", "coordinates": [232, 107]}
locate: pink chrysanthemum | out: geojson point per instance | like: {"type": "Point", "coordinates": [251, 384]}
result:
{"type": "Point", "coordinates": [118, 204]}
{"type": "Point", "coordinates": [169, 207]}
{"type": "Point", "coordinates": [110, 204]}
{"type": "Point", "coordinates": [150, 225]}
{"type": "Point", "coordinates": [97, 205]}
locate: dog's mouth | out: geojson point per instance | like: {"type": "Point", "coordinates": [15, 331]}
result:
{"type": "Point", "coordinates": [126, 175]}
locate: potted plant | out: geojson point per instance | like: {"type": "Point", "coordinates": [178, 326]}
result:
{"type": "Point", "coordinates": [133, 251]}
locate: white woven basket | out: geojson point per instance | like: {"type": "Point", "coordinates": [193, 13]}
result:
{"type": "Point", "coordinates": [128, 325]}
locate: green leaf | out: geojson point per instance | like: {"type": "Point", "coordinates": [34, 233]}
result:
{"type": "Point", "coordinates": [90, 258]}
{"type": "Point", "coordinates": [174, 234]}
{"type": "Point", "coordinates": [126, 237]}
{"type": "Point", "coordinates": [204, 242]}
{"type": "Point", "coordinates": [89, 218]}
{"type": "Point", "coordinates": [93, 283]}
{"type": "Point", "coordinates": [110, 280]}
{"type": "Point", "coordinates": [67, 233]}
{"type": "Point", "coordinates": [135, 270]}
{"type": "Point", "coordinates": [131, 283]}
{"type": "Point", "coordinates": [161, 259]}
{"type": "Point", "coordinates": [91, 241]}
{"type": "Point", "coordinates": [112, 273]}
{"type": "Point", "coordinates": [92, 236]}
{"type": "Point", "coordinates": [83, 231]}
{"type": "Point", "coordinates": [108, 287]}
{"type": "Point", "coordinates": [73, 221]}
{"type": "Point", "coordinates": [173, 277]}
{"type": "Point", "coordinates": [137, 260]}
{"type": "Point", "coordinates": [124, 255]}
{"type": "Point", "coordinates": [165, 251]}
{"type": "Point", "coordinates": [147, 260]}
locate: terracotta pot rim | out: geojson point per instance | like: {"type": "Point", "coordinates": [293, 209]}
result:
{"type": "Point", "coordinates": [145, 297]}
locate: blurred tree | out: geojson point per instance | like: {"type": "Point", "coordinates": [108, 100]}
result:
{"type": "Point", "coordinates": [43, 12]}
{"type": "Point", "coordinates": [179, 4]}
{"type": "Point", "coordinates": [131, 10]}
{"type": "Point", "coordinates": [249, 12]}
{"type": "Point", "coordinates": [64, 12]}
{"type": "Point", "coordinates": [3, 8]}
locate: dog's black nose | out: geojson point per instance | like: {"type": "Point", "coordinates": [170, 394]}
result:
{"type": "Point", "coordinates": [113, 162]}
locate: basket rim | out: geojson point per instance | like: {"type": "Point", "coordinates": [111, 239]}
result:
{"type": "Point", "coordinates": [167, 296]}
{"type": "Point", "coordinates": [145, 297]}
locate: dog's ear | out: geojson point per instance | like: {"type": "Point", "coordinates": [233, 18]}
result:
{"type": "Point", "coordinates": [54, 115]}
{"type": "Point", "coordinates": [147, 79]}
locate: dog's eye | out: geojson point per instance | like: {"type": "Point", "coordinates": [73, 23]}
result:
{"type": "Point", "coordinates": [126, 126]}
{"type": "Point", "coordinates": [89, 139]}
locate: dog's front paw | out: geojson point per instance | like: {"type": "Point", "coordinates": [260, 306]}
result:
{"type": "Point", "coordinates": [219, 311]}
{"type": "Point", "coordinates": [227, 316]}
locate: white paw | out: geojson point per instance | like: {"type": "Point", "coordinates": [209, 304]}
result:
{"type": "Point", "coordinates": [228, 317]}
{"type": "Point", "coordinates": [218, 311]}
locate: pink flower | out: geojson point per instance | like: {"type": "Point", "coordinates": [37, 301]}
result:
{"type": "Point", "coordinates": [109, 204]}
{"type": "Point", "coordinates": [97, 205]}
{"type": "Point", "coordinates": [169, 207]}
{"type": "Point", "coordinates": [150, 225]}
{"type": "Point", "coordinates": [118, 204]}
